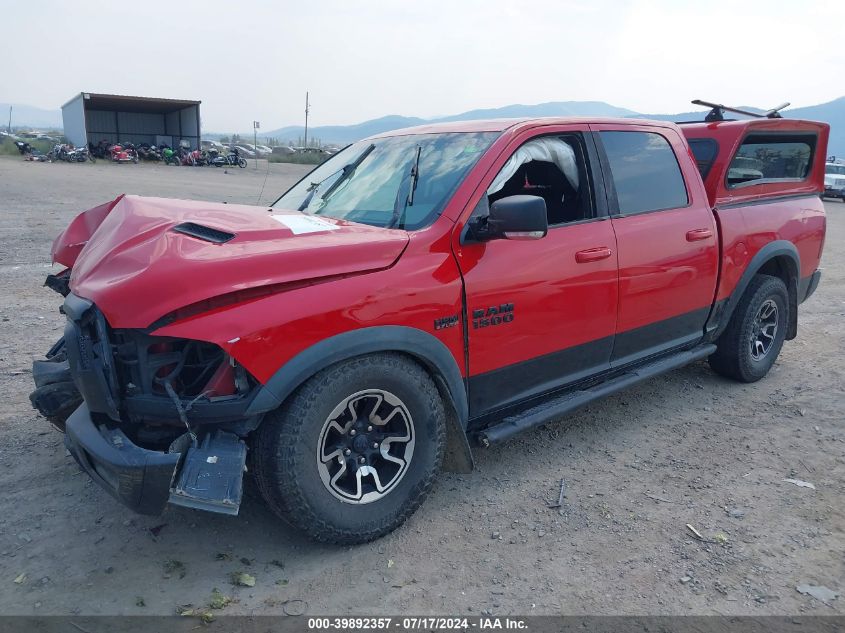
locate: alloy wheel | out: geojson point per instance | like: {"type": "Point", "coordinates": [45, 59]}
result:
{"type": "Point", "coordinates": [764, 329]}
{"type": "Point", "coordinates": [365, 446]}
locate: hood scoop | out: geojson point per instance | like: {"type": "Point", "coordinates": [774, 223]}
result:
{"type": "Point", "coordinates": [203, 232]}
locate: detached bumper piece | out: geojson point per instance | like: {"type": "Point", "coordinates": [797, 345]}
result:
{"type": "Point", "coordinates": [210, 477]}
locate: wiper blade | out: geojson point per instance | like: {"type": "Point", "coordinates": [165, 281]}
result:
{"type": "Point", "coordinates": [400, 205]}
{"type": "Point", "coordinates": [415, 176]}
{"type": "Point", "coordinates": [312, 189]}
{"type": "Point", "coordinates": [348, 170]}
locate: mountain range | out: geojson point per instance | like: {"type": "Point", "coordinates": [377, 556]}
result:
{"type": "Point", "coordinates": [832, 112]}
{"type": "Point", "coordinates": [349, 133]}
{"type": "Point", "coordinates": [29, 116]}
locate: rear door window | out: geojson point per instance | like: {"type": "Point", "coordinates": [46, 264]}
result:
{"type": "Point", "coordinates": [770, 158]}
{"type": "Point", "coordinates": [645, 172]}
{"type": "Point", "coordinates": [704, 150]}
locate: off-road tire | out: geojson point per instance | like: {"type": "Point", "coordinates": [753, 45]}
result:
{"type": "Point", "coordinates": [733, 357]}
{"type": "Point", "coordinates": [285, 447]}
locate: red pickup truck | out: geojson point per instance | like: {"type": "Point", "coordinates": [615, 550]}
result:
{"type": "Point", "coordinates": [419, 292]}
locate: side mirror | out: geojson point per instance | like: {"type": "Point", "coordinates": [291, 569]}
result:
{"type": "Point", "coordinates": [514, 218]}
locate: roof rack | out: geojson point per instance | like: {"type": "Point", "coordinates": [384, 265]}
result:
{"type": "Point", "coordinates": [717, 113]}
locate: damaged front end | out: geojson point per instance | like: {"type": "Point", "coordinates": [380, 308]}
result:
{"type": "Point", "coordinates": [151, 419]}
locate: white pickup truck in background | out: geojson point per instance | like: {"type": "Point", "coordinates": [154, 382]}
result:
{"type": "Point", "coordinates": [834, 179]}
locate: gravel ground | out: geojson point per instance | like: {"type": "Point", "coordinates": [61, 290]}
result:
{"type": "Point", "coordinates": [685, 448]}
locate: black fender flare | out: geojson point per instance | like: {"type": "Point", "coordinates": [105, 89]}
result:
{"type": "Point", "coordinates": [422, 346]}
{"type": "Point", "coordinates": [721, 314]}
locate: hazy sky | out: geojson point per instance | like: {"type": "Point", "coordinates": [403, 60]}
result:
{"type": "Point", "coordinates": [255, 59]}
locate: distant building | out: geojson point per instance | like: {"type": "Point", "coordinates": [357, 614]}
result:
{"type": "Point", "coordinates": [90, 117]}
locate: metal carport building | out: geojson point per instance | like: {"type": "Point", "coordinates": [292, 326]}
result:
{"type": "Point", "coordinates": [90, 117]}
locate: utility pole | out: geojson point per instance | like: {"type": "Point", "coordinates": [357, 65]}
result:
{"type": "Point", "coordinates": [10, 120]}
{"type": "Point", "coordinates": [255, 126]}
{"type": "Point", "coordinates": [307, 108]}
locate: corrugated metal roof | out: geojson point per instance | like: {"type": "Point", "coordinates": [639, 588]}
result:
{"type": "Point", "coordinates": [126, 103]}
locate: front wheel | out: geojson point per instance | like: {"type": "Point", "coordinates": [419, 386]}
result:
{"type": "Point", "coordinates": [242, 163]}
{"type": "Point", "coordinates": [750, 344]}
{"type": "Point", "coordinates": [354, 451]}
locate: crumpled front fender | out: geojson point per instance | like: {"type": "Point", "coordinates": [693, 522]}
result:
{"type": "Point", "coordinates": [68, 245]}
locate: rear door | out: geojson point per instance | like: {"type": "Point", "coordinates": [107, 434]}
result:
{"type": "Point", "coordinates": [666, 237]}
{"type": "Point", "coordinates": [540, 313]}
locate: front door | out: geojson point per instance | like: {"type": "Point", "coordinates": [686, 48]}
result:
{"type": "Point", "coordinates": [540, 313]}
{"type": "Point", "coordinates": [666, 237]}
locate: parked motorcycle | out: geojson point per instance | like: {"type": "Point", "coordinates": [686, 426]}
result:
{"type": "Point", "coordinates": [29, 153]}
{"type": "Point", "coordinates": [232, 158]}
{"type": "Point", "coordinates": [206, 156]}
{"type": "Point", "coordinates": [192, 158]}
{"type": "Point", "coordinates": [123, 153]}
{"type": "Point", "coordinates": [79, 155]}
{"type": "Point", "coordinates": [60, 151]}
{"type": "Point", "coordinates": [100, 150]}
{"type": "Point", "coordinates": [170, 156]}
{"type": "Point", "coordinates": [23, 147]}
{"type": "Point", "coordinates": [186, 157]}
{"type": "Point", "coordinates": [148, 152]}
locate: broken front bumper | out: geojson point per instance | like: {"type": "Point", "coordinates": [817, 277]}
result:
{"type": "Point", "coordinates": [209, 478]}
{"type": "Point", "coordinates": [137, 477]}
{"type": "Point", "coordinates": [201, 469]}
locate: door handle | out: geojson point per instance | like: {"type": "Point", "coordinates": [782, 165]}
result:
{"type": "Point", "coordinates": [699, 234]}
{"type": "Point", "coordinates": [593, 254]}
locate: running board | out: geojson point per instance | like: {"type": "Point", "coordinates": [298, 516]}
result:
{"type": "Point", "coordinates": [211, 477]}
{"type": "Point", "coordinates": [568, 402]}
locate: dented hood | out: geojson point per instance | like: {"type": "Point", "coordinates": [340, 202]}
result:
{"type": "Point", "coordinates": [131, 258]}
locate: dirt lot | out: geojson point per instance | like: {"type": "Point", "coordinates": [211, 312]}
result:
{"type": "Point", "coordinates": [685, 448]}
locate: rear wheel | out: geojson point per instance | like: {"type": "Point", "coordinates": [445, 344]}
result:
{"type": "Point", "coordinates": [750, 344]}
{"type": "Point", "coordinates": [354, 452]}
{"type": "Point", "coordinates": [241, 163]}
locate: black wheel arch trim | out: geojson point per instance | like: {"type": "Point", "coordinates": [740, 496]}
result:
{"type": "Point", "coordinates": [722, 311]}
{"type": "Point", "coordinates": [422, 346]}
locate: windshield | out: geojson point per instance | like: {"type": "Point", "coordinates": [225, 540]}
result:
{"type": "Point", "coordinates": [835, 169]}
{"type": "Point", "coordinates": [397, 181]}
